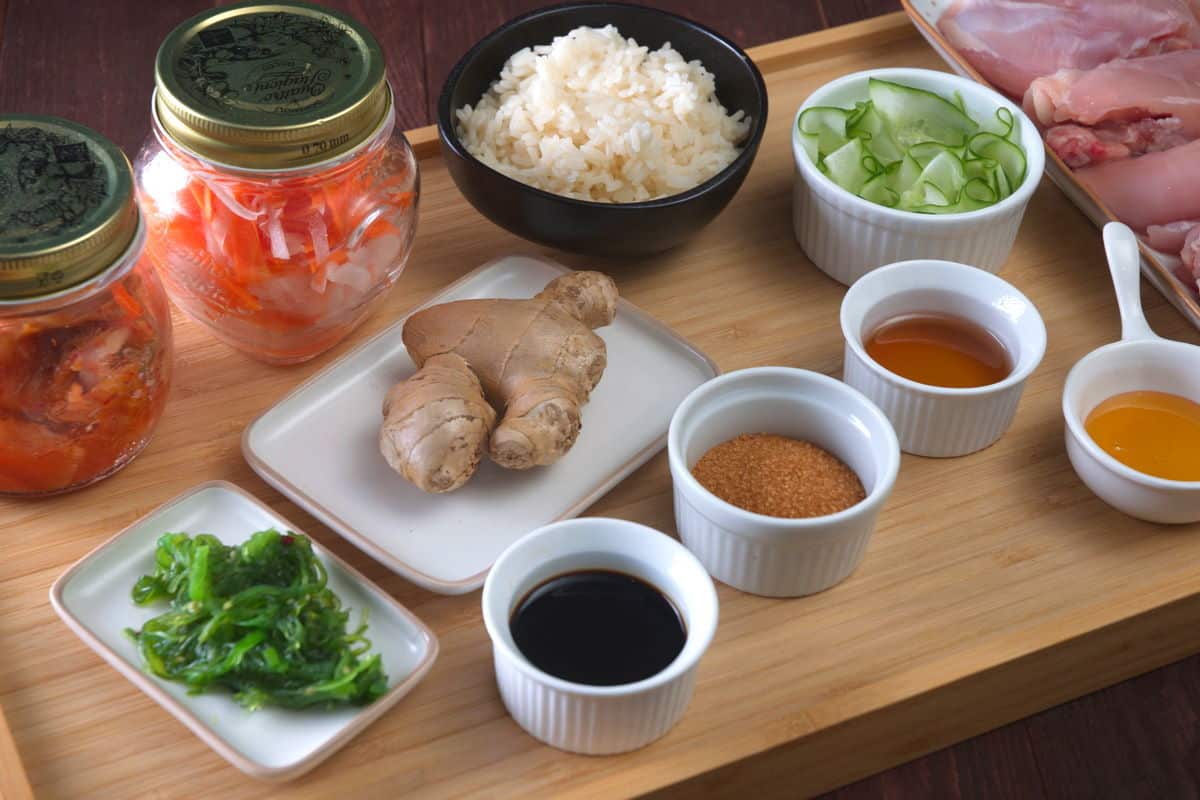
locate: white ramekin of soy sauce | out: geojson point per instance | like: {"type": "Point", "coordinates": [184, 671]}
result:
{"type": "Point", "coordinates": [597, 719]}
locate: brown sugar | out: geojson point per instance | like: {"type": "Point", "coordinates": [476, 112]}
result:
{"type": "Point", "coordinates": [778, 476]}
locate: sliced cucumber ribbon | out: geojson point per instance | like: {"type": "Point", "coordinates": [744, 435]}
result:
{"type": "Point", "coordinates": [914, 150]}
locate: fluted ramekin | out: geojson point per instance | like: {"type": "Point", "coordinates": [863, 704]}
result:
{"type": "Point", "coordinates": [597, 720]}
{"type": "Point", "coordinates": [847, 236]}
{"type": "Point", "coordinates": [766, 555]}
{"type": "Point", "coordinates": [934, 420]}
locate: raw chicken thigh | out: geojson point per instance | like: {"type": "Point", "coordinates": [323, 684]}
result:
{"type": "Point", "coordinates": [1126, 107]}
{"type": "Point", "coordinates": [1079, 146]}
{"type": "Point", "coordinates": [1155, 189]}
{"type": "Point", "coordinates": [1012, 42]}
{"type": "Point", "coordinates": [1157, 193]}
{"type": "Point", "coordinates": [1181, 237]}
{"type": "Point", "coordinates": [1189, 254]}
{"type": "Point", "coordinates": [1170, 238]}
{"type": "Point", "coordinates": [1116, 86]}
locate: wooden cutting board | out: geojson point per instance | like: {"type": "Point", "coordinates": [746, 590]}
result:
{"type": "Point", "coordinates": [996, 585]}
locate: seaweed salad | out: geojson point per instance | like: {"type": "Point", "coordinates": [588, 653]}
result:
{"type": "Point", "coordinates": [257, 619]}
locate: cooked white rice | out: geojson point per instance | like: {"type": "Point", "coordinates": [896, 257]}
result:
{"type": "Point", "coordinates": [597, 116]}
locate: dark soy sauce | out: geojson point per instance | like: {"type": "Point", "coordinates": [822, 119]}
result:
{"type": "Point", "coordinates": [598, 627]}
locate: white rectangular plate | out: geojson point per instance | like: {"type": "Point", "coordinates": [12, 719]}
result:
{"type": "Point", "coordinates": [93, 598]}
{"type": "Point", "coordinates": [320, 444]}
{"type": "Point", "coordinates": [1158, 267]}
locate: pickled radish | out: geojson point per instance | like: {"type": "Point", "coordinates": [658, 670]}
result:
{"type": "Point", "coordinates": [281, 266]}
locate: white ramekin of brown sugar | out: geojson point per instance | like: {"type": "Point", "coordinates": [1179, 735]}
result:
{"type": "Point", "coordinates": [768, 555]}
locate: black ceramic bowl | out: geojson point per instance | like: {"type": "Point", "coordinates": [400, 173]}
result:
{"type": "Point", "coordinates": [623, 229]}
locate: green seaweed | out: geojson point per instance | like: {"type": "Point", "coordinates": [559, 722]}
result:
{"type": "Point", "coordinates": [257, 619]}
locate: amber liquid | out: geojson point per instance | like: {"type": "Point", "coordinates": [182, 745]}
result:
{"type": "Point", "coordinates": [939, 350]}
{"type": "Point", "coordinates": [1153, 432]}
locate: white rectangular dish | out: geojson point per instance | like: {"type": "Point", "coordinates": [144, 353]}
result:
{"type": "Point", "coordinates": [319, 445]}
{"type": "Point", "coordinates": [1158, 267]}
{"type": "Point", "coordinates": [93, 599]}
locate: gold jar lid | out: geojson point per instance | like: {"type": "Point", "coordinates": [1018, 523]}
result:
{"type": "Point", "coordinates": [270, 85]}
{"type": "Point", "coordinates": [67, 210]}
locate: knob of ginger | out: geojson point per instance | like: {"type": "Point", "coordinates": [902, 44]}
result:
{"type": "Point", "coordinates": [436, 425]}
{"type": "Point", "coordinates": [536, 360]}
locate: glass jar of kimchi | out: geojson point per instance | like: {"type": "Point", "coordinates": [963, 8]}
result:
{"type": "Point", "coordinates": [85, 328]}
{"type": "Point", "coordinates": [280, 199]}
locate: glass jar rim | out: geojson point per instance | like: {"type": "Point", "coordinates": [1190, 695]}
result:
{"type": "Point", "coordinates": [382, 130]}
{"type": "Point", "coordinates": [118, 269]}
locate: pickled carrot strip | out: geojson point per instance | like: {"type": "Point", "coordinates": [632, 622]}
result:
{"type": "Point", "coordinates": [382, 227]}
{"type": "Point", "coordinates": [203, 198]}
{"type": "Point", "coordinates": [125, 301]}
{"type": "Point", "coordinates": [335, 201]}
{"type": "Point", "coordinates": [243, 249]}
{"type": "Point", "coordinates": [236, 291]}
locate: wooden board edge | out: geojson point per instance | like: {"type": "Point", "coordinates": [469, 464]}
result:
{"type": "Point", "coordinates": [957, 711]}
{"type": "Point", "coordinates": [14, 784]}
{"type": "Point", "coordinates": [832, 42]}
{"type": "Point", "coordinates": [772, 57]}
{"type": "Point", "coordinates": [424, 141]}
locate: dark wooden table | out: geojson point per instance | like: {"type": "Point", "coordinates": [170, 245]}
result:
{"type": "Point", "coordinates": [93, 62]}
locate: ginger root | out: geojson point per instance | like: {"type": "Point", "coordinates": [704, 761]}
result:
{"type": "Point", "coordinates": [537, 360]}
{"type": "Point", "coordinates": [436, 425]}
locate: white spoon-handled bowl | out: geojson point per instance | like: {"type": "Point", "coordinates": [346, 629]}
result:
{"type": "Point", "coordinates": [1141, 361]}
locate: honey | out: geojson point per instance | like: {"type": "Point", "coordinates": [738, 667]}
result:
{"type": "Point", "coordinates": [1153, 432]}
{"type": "Point", "coordinates": [939, 350]}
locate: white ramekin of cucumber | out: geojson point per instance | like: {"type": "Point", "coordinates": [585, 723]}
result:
{"type": "Point", "coordinates": [897, 164]}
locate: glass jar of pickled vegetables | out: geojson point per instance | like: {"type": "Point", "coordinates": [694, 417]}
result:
{"type": "Point", "coordinates": [85, 328]}
{"type": "Point", "coordinates": [280, 199]}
